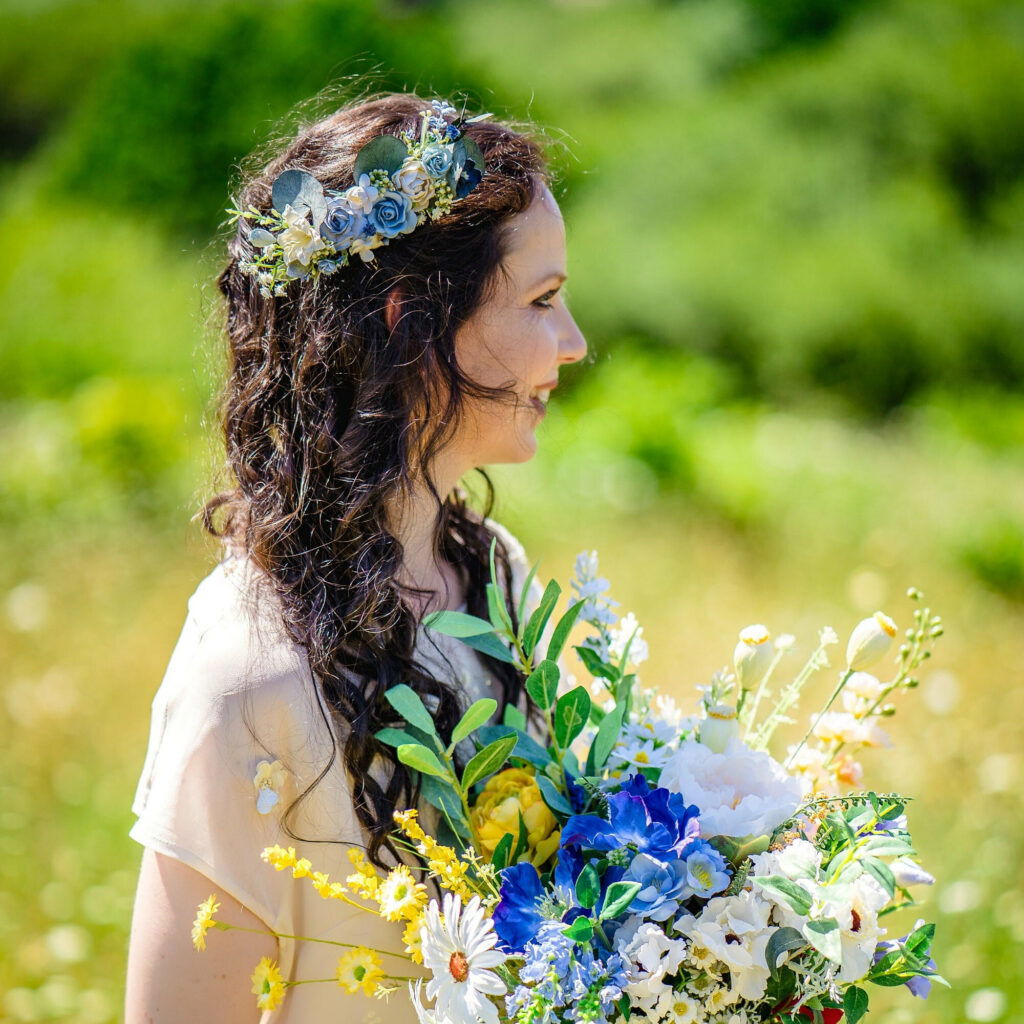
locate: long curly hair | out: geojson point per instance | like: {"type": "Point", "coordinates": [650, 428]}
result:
{"type": "Point", "coordinates": [328, 416]}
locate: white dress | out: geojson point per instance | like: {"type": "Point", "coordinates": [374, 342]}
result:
{"type": "Point", "coordinates": [233, 666]}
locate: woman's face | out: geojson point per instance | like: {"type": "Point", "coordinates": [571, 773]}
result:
{"type": "Point", "coordinates": [521, 337]}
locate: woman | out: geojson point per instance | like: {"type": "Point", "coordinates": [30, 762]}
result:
{"type": "Point", "coordinates": [356, 401]}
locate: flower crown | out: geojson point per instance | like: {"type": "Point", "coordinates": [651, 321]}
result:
{"type": "Point", "coordinates": [400, 181]}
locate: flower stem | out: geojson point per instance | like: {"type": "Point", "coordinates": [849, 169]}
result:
{"type": "Point", "coordinates": [835, 693]}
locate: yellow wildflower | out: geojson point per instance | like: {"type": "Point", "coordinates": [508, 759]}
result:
{"type": "Point", "coordinates": [279, 857]}
{"type": "Point", "coordinates": [365, 880]}
{"type": "Point", "coordinates": [267, 984]}
{"type": "Point", "coordinates": [400, 895]}
{"type": "Point", "coordinates": [413, 939]}
{"type": "Point", "coordinates": [496, 813]}
{"type": "Point", "coordinates": [204, 921]}
{"type": "Point", "coordinates": [359, 969]}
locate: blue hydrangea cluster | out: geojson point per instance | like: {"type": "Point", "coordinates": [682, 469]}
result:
{"type": "Point", "coordinates": [564, 981]}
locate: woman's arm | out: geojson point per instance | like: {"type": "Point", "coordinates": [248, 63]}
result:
{"type": "Point", "coordinates": [169, 981]}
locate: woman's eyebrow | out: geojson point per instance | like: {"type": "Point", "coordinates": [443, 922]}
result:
{"type": "Point", "coordinates": [554, 273]}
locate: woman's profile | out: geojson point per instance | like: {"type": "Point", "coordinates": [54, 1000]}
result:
{"type": "Point", "coordinates": [354, 405]}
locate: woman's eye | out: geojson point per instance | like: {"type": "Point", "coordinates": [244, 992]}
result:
{"type": "Point", "coordinates": [541, 303]}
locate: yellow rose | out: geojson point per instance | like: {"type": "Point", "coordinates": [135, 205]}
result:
{"type": "Point", "coordinates": [496, 812]}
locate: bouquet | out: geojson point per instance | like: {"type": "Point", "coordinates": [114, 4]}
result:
{"type": "Point", "coordinates": [604, 857]}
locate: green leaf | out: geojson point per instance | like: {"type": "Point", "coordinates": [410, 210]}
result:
{"type": "Point", "coordinates": [473, 152]}
{"type": "Point", "coordinates": [542, 684]}
{"type": "Point", "coordinates": [526, 747]}
{"type": "Point", "coordinates": [525, 592]}
{"type": "Point", "coordinates": [887, 846]}
{"type": "Point", "coordinates": [487, 761]}
{"type": "Point", "coordinates": [920, 940]}
{"type": "Point", "coordinates": [552, 797]}
{"type": "Point", "coordinates": [386, 152]}
{"type": "Point", "coordinates": [824, 936]}
{"type": "Point", "coordinates": [457, 624]}
{"type": "Point", "coordinates": [502, 851]}
{"type": "Point", "coordinates": [514, 717]}
{"type": "Point", "coordinates": [593, 664]}
{"type": "Point", "coordinates": [407, 703]}
{"type": "Point", "coordinates": [855, 1004]}
{"type": "Point", "coordinates": [394, 737]}
{"type": "Point", "coordinates": [604, 742]}
{"type": "Point", "coordinates": [581, 930]}
{"type": "Point", "coordinates": [415, 755]}
{"type": "Point", "coordinates": [490, 644]}
{"type": "Point", "coordinates": [782, 941]}
{"type": "Point", "coordinates": [496, 609]}
{"type": "Point", "coordinates": [539, 619]}
{"type": "Point", "coordinates": [571, 712]}
{"type": "Point", "coordinates": [440, 794]}
{"type": "Point", "coordinates": [882, 874]}
{"type": "Point", "coordinates": [477, 715]}
{"type": "Point", "coordinates": [301, 191]}
{"type": "Point", "coordinates": [522, 840]}
{"type": "Point", "coordinates": [795, 896]}
{"type": "Point", "coordinates": [588, 886]}
{"type": "Point", "coordinates": [618, 899]}
{"type": "Point", "coordinates": [562, 629]}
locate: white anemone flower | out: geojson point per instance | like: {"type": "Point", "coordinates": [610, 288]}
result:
{"type": "Point", "coordinates": [458, 949]}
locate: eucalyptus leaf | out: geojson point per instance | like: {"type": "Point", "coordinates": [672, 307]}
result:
{"type": "Point", "coordinates": [500, 618]}
{"type": "Point", "coordinates": [488, 761]}
{"type": "Point", "coordinates": [474, 153]}
{"type": "Point", "coordinates": [526, 747]}
{"type": "Point", "coordinates": [478, 714]}
{"type": "Point", "coordinates": [261, 238]}
{"type": "Point", "coordinates": [514, 717]}
{"type": "Point", "coordinates": [425, 761]}
{"type": "Point", "coordinates": [441, 795]}
{"type": "Point", "coordinates": [385, 152]}
{"type": "Point", "coordinates": [525, 592]}
{"type": "Point", "coordinates": [887, 846]}
{"type": "Point", "coordinates": [882, 874]}
{"type": "Point", "coordinates": [301, 191]}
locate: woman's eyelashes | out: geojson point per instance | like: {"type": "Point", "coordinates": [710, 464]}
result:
{"type": "Point", "coordinates": [546, 295]}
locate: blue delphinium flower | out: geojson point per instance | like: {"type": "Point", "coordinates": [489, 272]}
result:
{"type": "Point", "coordinates": [706, 870]}
{"type": "Point", "coordinates": [642, 817]}
{"type": "Point", "coordinates": [562, 981]}
{"type": "Point", "coordinates": [392, 214]}
{"type": "Point", "coordinates": [517, 916]}
{"type": "Point", "coordinates": [664, 886]}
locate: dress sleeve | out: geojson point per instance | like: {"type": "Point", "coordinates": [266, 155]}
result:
{"type": "Point", "coordinates": [230, 700]}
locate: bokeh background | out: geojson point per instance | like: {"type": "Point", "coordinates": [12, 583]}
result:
{"type": "Point", "coordinates": [796, 244]}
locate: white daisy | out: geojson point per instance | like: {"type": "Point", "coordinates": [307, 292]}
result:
{"type": "Point", "coordinates": [458, 949]}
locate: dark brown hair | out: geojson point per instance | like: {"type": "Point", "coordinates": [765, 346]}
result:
{"type": "Point", "coordinates": [327, 415]}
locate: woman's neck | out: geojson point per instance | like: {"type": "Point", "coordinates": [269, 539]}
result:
{"type": "Point", "coordinates": [413, 522]}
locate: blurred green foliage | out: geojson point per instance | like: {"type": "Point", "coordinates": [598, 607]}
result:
{"type": "Point", "coordinates": [795, 231]}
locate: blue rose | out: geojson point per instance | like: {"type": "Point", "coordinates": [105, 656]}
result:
{"type": "Point", "coordinates": [342, 223]}
{"type": "Point", "coordinates": [392, 214]}
{"type": "Point", "coordinates": [437, 159]}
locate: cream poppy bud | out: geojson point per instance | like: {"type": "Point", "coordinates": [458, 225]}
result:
{"type": "Point", "coordinates": [719, 728]}
{"type": "Point", "coordinates": [869, 641]}
{"type": "Point", "coordinates": [752, 656]}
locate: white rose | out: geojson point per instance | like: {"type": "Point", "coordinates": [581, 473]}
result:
{"type": "Point", "coordinates": [413, 179]}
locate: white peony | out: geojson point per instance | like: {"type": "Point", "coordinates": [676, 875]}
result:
{"type": "Point", "coordinates": [740, 792]}
{"type": "Point", "coordinates": [649, 956]}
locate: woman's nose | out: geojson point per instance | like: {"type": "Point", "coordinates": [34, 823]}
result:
{"type": "Point", "coordinates": [572, 346]}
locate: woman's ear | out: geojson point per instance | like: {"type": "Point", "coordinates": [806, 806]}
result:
{"type": "Point", "coordinates": [393, 307]}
